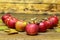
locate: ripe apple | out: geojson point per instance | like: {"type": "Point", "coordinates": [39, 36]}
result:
{"type": "Point", "coordinates": [11, 22]}
{"type": "Point", "coordinates": [32, 29]}
{"type": "Point", "coordinates": [5, 16]}
{"type": "Point", "coordinates": [42, 27]}
{"type": "Point", "coordinates": [20, 25]}
{"type": "Point", "coordinates": [7, 19]}
{"type": "Point", "coordinates": [48, 24]}
{"type": "Point", "coordinates": [54, 20]}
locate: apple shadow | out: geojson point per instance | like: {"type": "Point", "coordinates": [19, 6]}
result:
{"type": "Point", "coordinates": [32, 35]}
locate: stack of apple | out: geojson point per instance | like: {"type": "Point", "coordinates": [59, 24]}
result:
{"type": "Point", "coordinates": [31, 28]}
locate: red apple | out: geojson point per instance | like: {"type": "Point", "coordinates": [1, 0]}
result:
{"type": "Point", "coordinates": [11, 22]}
{"type": "Point", "coordinates": [32, 29]}
{"type": "Point", "coordinates": [5, 16]}
{"type": "Point", "coordinates": [7, 19]}
{"type": "Point", "coordinates": [20, 25]}
{"type": "Point", "coordinates": [48, 24]}
{"type": "Point", "coordinates": [54, 20]}
{"type": "Point", "coordinates": [42, 27]}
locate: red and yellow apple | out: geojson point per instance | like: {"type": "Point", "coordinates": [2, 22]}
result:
{"type": "Point", "coordinates": [20, 25]}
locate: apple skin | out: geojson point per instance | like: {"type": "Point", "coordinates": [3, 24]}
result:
{"type": "Point", "coordinates": [54, 19]}
{"type": "Point", "coordinates": [42, 27]}
{"type": "Point", "coordinates": [4, 17]}
{"type": "Point", "coordinates": [20, 26]}
{"type": "Point", "coordinates": [11, 22]}
{"type": "Point", "coordinates": [7, 19]}
{"type": "Point", "coordinates": [32, 29]}
{"type": "Point", "coordinates": [48, 24]}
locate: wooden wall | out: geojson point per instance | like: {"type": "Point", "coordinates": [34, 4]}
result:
{"type": "Point", "coordinates": [29, 6]}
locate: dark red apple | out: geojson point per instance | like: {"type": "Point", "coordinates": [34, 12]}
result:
{"type": "Point", "coordinates": [42, 27]}
{"type": "Point", "coordinates": [7, 19]}
{"type": "Point", "coordinates": [54, 20]}
{"type": "Point", "coordinates": [5, 16]}
{"type": "Point", "coordinates": [32, 29]}
{"type": "Point", "coordinates": [48, 24]}
{"type": "Point", "coordinates": [11, 22]}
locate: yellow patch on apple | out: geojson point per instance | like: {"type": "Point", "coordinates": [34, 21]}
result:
{"type": "Point", "coordinates": [20, 25]}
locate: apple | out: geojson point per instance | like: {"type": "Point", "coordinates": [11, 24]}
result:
{"type": "Point", "coordinates": [7, 19]}
{"type": "Point", "coordinates": [32, 29]}
{"type": "Point", "coordinates": [5, 16]}
{"type": "Point", "coordinates": [42, 27]}
{"type": "Point", "coordinates": [11, 22]}
{"type": "Point", "coordinates": [20, 25]}
{"type": "Point", "coordinates": [54, 20]}
{"type": "Point", "coordinates": [48, 24]}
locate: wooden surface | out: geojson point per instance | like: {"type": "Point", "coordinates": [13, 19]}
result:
{"type": "Point", "coordinates": [51, 35]}
{"type": "Point", "coordinates": [23, 36]}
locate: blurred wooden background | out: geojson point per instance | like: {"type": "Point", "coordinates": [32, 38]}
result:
{"type": "Point", "coordinates": [30, 6]}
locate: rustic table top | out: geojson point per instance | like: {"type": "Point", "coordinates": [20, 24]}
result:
{"type": "Point", "coordinates": [23, 36]}
{"type": "Point", "coordinates": [51, 35]}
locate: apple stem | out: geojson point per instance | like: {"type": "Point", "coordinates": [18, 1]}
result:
{"type": "Point", "coordinates": [44, 19]}
{"type": "Point", "coordinates": [40, 21]}
{"type": "Point", "coordinates": [29, 22]}
{"type": "Point", "coordinates": [34, 20]}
